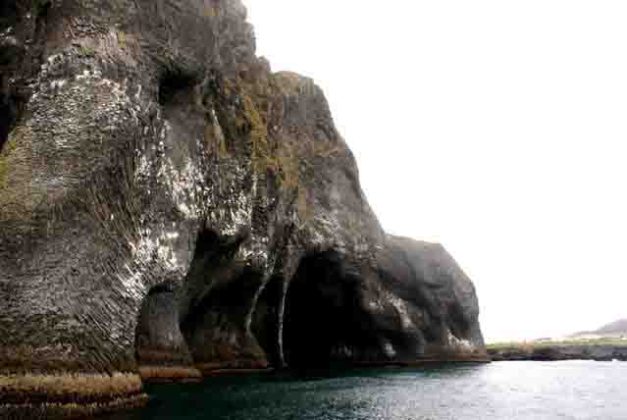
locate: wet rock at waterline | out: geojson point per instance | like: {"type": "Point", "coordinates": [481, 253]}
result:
{"type": "Point", "coordinates": [168, 205]}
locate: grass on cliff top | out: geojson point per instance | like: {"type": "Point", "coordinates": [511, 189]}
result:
{"type": "Point", "coordinates": [605, 341]}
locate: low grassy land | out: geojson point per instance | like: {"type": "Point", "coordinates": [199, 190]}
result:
{"type": "Point", "coordinates": [68, 395]}
{"type": "Point", "coordinates": [606, 341]}
{"type": "Point", "coordinates": [600, 349]}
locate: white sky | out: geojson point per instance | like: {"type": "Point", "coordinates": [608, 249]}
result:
{"type": "Point", "coordinates": [497, 128]}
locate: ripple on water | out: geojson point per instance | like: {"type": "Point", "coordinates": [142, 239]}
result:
{"type": "Point", "coordinates": [505, 390]}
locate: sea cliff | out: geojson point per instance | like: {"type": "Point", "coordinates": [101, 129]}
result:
{"type": "Point", "coordinates": [170, 207]}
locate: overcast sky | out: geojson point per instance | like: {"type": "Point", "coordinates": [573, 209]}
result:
{"type": "Point", "coordinates": [498, 128]}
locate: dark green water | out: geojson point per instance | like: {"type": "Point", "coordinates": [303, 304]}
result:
{"type": "Point", "coordinates": [506, 390]}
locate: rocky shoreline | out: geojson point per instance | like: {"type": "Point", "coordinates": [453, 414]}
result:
{"type": "Point", "coordinates": [558, 352]}
{"type": "Point", "coordinates": [68, 395]}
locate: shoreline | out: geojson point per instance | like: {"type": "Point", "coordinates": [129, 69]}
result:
{"type": "Point", "coordinates": [69, 395]}
{"type": "Point", "coordinates": [558, 351]}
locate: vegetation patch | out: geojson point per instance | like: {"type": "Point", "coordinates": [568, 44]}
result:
{"type": "Point", "coordinates": [169, 373]}
{"type": "Point", "coordinates": [252, 107]}
{"type": "Point", "coordinates": [87, 51]}
{"type": "Point", "coordinates": [122, 38]}
{"type": "Point", "coordinates": [72, 386]}
{"type": "Point", "coordinates": [530, 345]}
{"type": "Point", "coordinates": [46, 410]}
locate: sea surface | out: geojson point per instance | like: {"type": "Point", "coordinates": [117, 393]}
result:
{"type": "Point", "coordinates": [503, 390]}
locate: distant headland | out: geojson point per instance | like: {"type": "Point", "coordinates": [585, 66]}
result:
{"type": "Point", "coordinates": [606, 343]}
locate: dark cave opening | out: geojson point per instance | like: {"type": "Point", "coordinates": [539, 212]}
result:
{"type": "Point", "coordinates": [18, 57]}
{"type": "Point", "coordinates": [42, 9]}
{"type": "Point", "coordinates": [215, 328]}
{"type": "Point", "coordinates": [173, 82]}
{"type": "Point", "coordinates": [8, 112]}
{"type": "Point", "coordinates": [210, 268]}
{"type": "Point", "coordinates": [323, 323]}
{"type": "Point", "coordinates": [170, 313]}
{"type": "Point", "coordinates": [8, 13]}
{"type": "Point", "coordinates": [216, 303]}
{"type": "Point", "coordinates": [5, 120]}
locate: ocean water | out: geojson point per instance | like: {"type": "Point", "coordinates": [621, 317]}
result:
{"type": "Point", "coordinates": [504, 390]}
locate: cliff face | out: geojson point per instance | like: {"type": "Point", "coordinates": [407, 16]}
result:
{"type": "Point", "coordinates": [166, 201]}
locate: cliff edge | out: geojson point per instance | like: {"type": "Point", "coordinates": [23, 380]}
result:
{"type": "Point", "coordinates": [170, 207]}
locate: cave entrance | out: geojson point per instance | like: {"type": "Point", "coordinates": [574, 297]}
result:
{"type": "Point", "coordinates": [175, 85]}
{"type": "Point", "coordinates": [7, 117]}
{"type": "Point", "coordinates": [218, 294]}
{"type": "Point", "coordinates": [11, 53]}
{"type": "Point", "coordinates": [323, 324]}
{"type": "Point", "coordinates": [163, 350]}
{"type": "Point", "coordinates": [159, 341]}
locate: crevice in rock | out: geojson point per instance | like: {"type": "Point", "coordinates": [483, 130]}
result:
{"type": "Point", "coordinates": [324, 323]}
{"type": "Point", "coordinates": [6, 119]}
{"type": "Point", "coordinates": [41, 9]}
{"type": "Point", "coordinates": [265, 322]}
{"type": "Point", "coordinates": [10, 104]}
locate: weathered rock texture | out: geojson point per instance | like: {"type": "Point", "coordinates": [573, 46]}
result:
{"type": "Point", "coordinates": [168, 201]}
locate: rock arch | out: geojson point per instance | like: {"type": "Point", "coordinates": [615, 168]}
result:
{"type": "Point", "coordinates": [324, 322]}
{"type": "Point", "coordinates": [161, 350]}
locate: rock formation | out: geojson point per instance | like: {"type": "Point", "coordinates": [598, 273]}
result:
{"type": "Point", "coordinates": [166, 201]}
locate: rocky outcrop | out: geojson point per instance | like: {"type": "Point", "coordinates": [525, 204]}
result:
{"type": "Point", "coordinates": [166, 201]}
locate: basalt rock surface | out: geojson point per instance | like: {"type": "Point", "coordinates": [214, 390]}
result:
{"type": "Point", "coordinates": [167, 202]}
